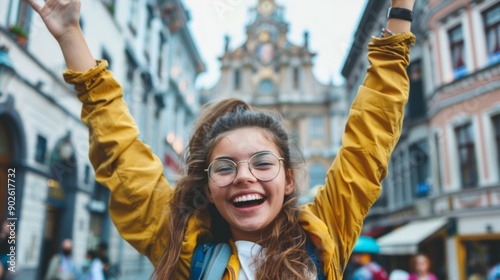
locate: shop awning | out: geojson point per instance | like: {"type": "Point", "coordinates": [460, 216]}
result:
{"type": "Point", "coordinates": [405, 239]}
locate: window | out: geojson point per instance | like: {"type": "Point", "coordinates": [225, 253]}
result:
{"type": "Point", "coordinates": [133, 18]}
{"type": "Point", "coordinates": [110, 5]}
{"type": "Point", "coordinates": [266, 86]}
{"type": "Point", "coordinates": [105, 56]}
{"type": "Point", "coordinates": [41, 149]}
{"type": "Point", "coordinates": [294, 135]}
{"type": "Point", "coordinates": [161, 55]}
{"type": "Point", "coordinates": [398, 178]}
{"type": "Point", "coordinates": [496, 125]}
{"type": "Point", "coordinates": [24, 15]}
{"type": "Point", "coordinates": [19, 20]}
{"type": "Point", "coordinates": [86, 175]}
{"type": "Point", "coordinates": [150, 10]}
{"type": "Point", "coordinates": [296, 78]}
{"type": "Point", "coordinates": [419, 167]}
{"type": "Point", "coordinates": [317, 175]}
{"type": "Point", "coordinates": [131, 65]}
{"type": "Point", "coordinates": [438, 170]}
{"type": "Point", "coordinates": [237, 79]}
{"type": "Point", "coordinates": [416, 106]}
{"type": "Point", "coordinates": [467, 156]}
{"type": "Point", "coordinates": [316, 128]}
{"type": "Point", "coordinates": [456, 38]}
{"type": "Point", "coordinates": [491, 18]}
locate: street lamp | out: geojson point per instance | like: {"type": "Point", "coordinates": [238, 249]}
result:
{"type": "Point", "coordinates": [6, 71]}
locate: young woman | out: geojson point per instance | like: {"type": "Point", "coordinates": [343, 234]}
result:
{"type": "Point", "coordinates": [421, 268]}
{"type": "Point", "coordinates": [239, 186]}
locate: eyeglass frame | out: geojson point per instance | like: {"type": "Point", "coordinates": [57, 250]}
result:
{"type": "Point", "coordinates": [280, 159]}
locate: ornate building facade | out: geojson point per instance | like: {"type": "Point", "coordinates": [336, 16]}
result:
{"type": "Point", "coordinates": [269, 71]}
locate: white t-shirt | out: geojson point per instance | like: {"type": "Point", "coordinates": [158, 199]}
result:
{"type": "Point", "coordinates": [247, 252]}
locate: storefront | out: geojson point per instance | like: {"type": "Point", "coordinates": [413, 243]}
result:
{"type": "Point", "coordinates": [478, 244]}
{"type": "Point", "coordinates": [426, 236]}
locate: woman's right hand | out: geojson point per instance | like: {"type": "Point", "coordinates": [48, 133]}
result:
{"type": "Point", "coordinates": [60, 16]}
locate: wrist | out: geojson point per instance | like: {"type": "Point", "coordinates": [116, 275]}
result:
{"type": "Point", "coordinates": [398, 25]}
{"type": "Point", "coordinates": [70, 36]}
{"type": "Point", "coordinates": [405, 4]}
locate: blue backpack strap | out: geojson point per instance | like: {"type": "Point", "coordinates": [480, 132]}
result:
{"type": "Point", "coordinates": [209, 261]}
{"type": "Point", "coordinates": [217, 262]}
{"type": "Point", "coordinates": [312, 254]}
{"type": "Point", "coordinates": [197, 260]}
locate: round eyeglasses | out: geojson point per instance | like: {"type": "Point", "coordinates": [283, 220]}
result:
{"type": "Point", "coordinates": [264, 166]}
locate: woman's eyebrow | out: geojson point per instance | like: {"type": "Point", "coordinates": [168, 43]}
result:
{"type": "Point", "coordinates": [249, 155]}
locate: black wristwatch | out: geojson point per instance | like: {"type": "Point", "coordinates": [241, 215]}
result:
{"type": "Point", "coordinates": [400, 13]}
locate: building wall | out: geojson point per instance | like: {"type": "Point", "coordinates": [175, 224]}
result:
{"type": "Point", "coordinates": [37, 102]}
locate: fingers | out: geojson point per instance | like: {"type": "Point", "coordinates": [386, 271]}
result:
{"type": "Point", "coordinates": [35, 5]}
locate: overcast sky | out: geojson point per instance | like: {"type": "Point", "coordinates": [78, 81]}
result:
{"type": "Point", "coordinates": [330, 24]}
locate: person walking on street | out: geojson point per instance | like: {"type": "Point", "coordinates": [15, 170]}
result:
{"type": "Point", "coordinates": [363, 257]}
{"type": "Point", "coordinates": [421, 265]}
{"type": "Point", "coordinates": [240, 184]}
{"type": "Point", "coordinates": [494, 273]}
{"type": "Point", "coordinates": [102, 253]}
{"type": "Point", "coordinates": [62, 265]}
{"type": "Point", "coordinates": [92, 268]}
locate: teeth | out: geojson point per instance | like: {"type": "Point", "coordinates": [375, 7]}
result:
{"type": "Point", "coordinates": [248, 197]}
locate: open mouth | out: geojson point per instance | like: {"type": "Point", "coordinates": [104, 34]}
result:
{"type": "Point", "coordinates": [248, 200]}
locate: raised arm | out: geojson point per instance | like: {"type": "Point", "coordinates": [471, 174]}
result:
{"type": "Point", "coordinates": [373, 128]}
{"type": "Point", "coordinates": [62, 20]}
{"type": "Point", "coordinates": [122, 163]}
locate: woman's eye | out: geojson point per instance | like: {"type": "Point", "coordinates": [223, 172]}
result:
{"type": "Point", "coordinates": [225, 169]}
{"type": "Point", "coordinates": [262, 164]}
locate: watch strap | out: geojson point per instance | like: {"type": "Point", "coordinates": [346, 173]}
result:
{"type": "Point", "coordinates": [400, 13]}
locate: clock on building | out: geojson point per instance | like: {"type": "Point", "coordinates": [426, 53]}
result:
{"type": "Point", "coordinates": [266, 7]}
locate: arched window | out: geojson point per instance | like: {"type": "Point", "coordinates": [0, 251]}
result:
{"type": "Point", "coordinates": [266, 86]}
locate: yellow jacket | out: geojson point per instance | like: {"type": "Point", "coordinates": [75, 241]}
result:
{"type": "Point", "coordinates": [333, 220]}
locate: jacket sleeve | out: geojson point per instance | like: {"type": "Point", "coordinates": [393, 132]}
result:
{"type": "Point", "coordinates": [122, 163]}
{"type": "Point", "coordinates": [373, 128]}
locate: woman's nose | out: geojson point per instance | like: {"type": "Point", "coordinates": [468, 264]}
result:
{"type": "Point", "coordinates": [243, 174]}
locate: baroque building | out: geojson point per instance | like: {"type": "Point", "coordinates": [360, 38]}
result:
{"type": "Point", "coordinates": [270, 72]}
{"type": "Point", "coordinates": [442, 194]}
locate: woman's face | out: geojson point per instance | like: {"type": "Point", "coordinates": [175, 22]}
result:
{"type": "Point", "coordinates": [263, 199]}
{"type": "Point", "coordinates": [421, 264]}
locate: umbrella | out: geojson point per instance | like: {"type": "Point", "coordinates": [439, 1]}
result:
{"type": "Point", "coordinates": [366, 244]}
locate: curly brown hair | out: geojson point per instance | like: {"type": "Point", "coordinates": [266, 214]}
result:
{"type": "Point", "coordinates": [286, 256]}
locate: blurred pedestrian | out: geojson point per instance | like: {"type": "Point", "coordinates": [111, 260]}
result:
{"type": "Point", "coordinates": [399, 274]}
{"type": "Point", "coordinates": [363, 256]}
{"type": "Point", "coordinates": [494, 273]}
{"type": "Point", "coordinates": [92, 267]}
{"type": "Point", "coordinates": [62, 265]}
{"type": "Point", "coordinates": [477, 270]}
{"type": "Point", "coordinates": [102, 253]}
{"type": "Point", "coordinates": [421, 266]}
